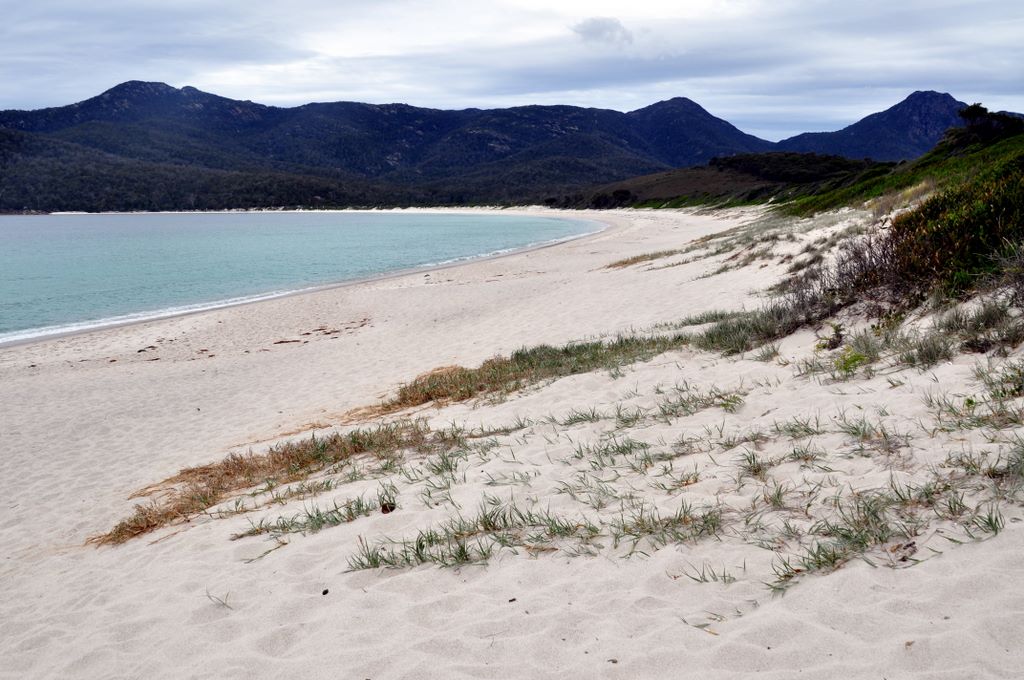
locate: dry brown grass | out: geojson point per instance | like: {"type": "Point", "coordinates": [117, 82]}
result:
{"type": "Point", "coordinates": [896, 200]}
{"type": "Point", "coordinates": [441, 385]}
{"type": "Point", "coordinates": [646, 257]}
{"type": "Point", "coordinates": [195, 490]}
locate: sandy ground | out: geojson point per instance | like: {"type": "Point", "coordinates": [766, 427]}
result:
{"type": "Point", "coordinates": [88, 420]}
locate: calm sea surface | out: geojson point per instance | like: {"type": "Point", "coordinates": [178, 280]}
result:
{"type": "Point", "coordinates": [62, 273]}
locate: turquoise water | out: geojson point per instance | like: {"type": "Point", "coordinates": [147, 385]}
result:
{"type": "Point", "coordinates": [61, 273]}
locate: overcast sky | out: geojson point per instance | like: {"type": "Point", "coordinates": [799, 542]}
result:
{"type": "Point", "coordinates": [771, 67]}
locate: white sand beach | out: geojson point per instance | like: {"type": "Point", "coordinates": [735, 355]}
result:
{"type": "Point", "coordinates": [89, 420]}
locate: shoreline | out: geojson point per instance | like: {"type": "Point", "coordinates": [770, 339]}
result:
{"type": "Point", "coordinates": [100, 325]}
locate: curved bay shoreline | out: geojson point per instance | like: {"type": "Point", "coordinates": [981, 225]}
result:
{"type": "Point", "coordinates": [31, 335]}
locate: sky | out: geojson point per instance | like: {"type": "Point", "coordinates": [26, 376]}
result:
{"type": "Point", "coordinates": [773, 68]}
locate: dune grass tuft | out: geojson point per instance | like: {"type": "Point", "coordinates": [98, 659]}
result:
{"type": "Point", "coordinates": [753, 329]}
{"type": "Point", "coordinates": [646, 257]}
{"type": "Point", "coordinates": [501, 375]}
{"type": "Point", "coordinates": [195, 490]}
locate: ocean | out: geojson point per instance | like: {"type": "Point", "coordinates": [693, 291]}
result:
{"type": "Point", "coordinates": [72, 272]}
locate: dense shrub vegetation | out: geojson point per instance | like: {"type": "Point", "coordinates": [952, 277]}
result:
{"type": "Point", "coordinates": [968, 232]}
{"type": "Point", "coordinates": [955, 237]}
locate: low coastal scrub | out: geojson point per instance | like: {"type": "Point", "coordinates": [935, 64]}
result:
{"type": "Point", "coordinates": [960, 235]}
{"type": "Point", "coordinates": [962, 240]}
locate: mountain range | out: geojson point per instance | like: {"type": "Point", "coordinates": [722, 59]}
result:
{"type": "Point", "coordinates": [150, 146]}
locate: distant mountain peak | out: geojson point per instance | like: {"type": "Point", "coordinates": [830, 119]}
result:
{"type": "Point", "coordinates": [675, 103]}
{"type": "Point", "coordinates": [134, 88]}
{"type": "Point", "coordinates": [929, 94]}
{"type": "Point", "coordinates": [705, 135]}
{"type": "Point", "coordinates": [925, 100]}
{"type": "Point", "coordinates": [903, 131]}
{"type": "Point", "coordinates": [142, 92]}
